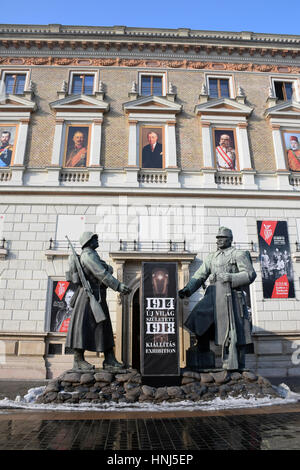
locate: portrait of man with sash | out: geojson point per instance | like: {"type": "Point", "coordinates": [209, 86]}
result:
{"type": "Point", "coordinates": [225, 149]}
{"type": "Point", "coordinates": [77, 146]}
{"type": "Point", "coordinates": [292, 145]}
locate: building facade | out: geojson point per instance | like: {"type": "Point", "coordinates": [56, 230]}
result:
{"type": "Point", "coordinates": [152, 138]}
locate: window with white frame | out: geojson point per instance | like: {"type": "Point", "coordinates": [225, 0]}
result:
{"type": "Point", "coordinates": [219, 86]}
{"type": "Point", "coordinates": [285, 89]}
{"type": "Point", "coordinates": [15, 82]}
{"type": "Point", "coordinates": [152, 84]}
{"type": "Point", "coordinates": [82, 83]}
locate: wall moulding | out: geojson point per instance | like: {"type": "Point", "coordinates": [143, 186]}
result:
{"type": "Point", "coordinates": [121, 62]}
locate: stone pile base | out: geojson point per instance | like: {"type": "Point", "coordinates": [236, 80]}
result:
{"type": "Point", "coordinates": [100, 386]}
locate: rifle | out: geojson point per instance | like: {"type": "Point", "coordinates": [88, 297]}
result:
{"type": "Point", "coordinates": [232, 351]}
{"type": "Point", "coordinates": [94, 304]}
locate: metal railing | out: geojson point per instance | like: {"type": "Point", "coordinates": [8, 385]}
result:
{"type": "Point", "coordinates": [162, 246]}
{"type": "Point", "coordinates": [62, 244]}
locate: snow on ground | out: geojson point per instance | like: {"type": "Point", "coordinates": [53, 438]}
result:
{"type": "Point", "coordinates": [28, 403]}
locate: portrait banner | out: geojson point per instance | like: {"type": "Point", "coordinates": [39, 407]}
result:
{"type": "Point", "coordinates": [60, 308]}
{"type": "Point", "coordinates": [152, 147]}
{"type": "Point", "coordinates": [275, 260]}
{"type": "Point", "coordinates": [8, 138]}
{"type": "Point", "coordinates": [225, 149]}
{"type": "Point", "coordinates": [291, 141]}
{"type": "Point", "coordinates": [77, 146]}
{"type": "Point", "coordinates": [159, 320]}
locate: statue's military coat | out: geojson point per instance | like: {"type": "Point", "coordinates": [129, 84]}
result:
{"type": "Point", "coordinates": [84, 332]}
{"type": "Point", "coordinates": [212, 308]}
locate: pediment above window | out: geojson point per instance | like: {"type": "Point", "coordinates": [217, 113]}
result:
{"type": "Point", "coordinates": [223, 107]}
{"type": "Point", "coordinates": [15, 103]}
{"type": "Point", "coordinates": [287, 110]}
{"type": "Point", "coordinates": [152, 104]}
{"type": "Point", "coordinates": [79, 103]}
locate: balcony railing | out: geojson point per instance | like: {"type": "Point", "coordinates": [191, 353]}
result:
{"type": "Point", "coordinates": [149, 246]}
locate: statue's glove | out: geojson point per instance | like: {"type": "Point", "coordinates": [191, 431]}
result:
{"type": "Point", "coordinates": [123, 289]}
{"type": "Point", "coordinates": [185, 292]}
{"type": "Point", "coordinates": [225, 277]}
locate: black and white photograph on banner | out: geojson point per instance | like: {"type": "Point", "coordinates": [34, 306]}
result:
{"type": "Point", "coordinates": [61, 309]}
{"type": "Point", "coordinates": [275, 259]}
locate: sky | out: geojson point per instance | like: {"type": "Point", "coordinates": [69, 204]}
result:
{"type": "Point", "coordinates": [220, 15]}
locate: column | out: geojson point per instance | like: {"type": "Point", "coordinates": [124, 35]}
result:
{"type": "Point", "coordinates": [56, 163]}
{"type": "Point", "coordinates": [282, 172]}
{"type": "Point", "coordinates": [133, 157]}
{"type": "Point", "coordinates": [244, 156]}
{"type": "Point", "coordinates": [208, 157]}
{"type": "Point", "coordinates": [95, 153]}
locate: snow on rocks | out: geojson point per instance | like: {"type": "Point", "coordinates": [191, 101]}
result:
{"type": "Point", "coordinates": [126, 386]}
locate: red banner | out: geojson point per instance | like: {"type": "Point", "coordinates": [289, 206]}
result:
{"type": "Point", "coordinates": [281, 288]}
{"type": "Point", "coordinates": [267, 230]}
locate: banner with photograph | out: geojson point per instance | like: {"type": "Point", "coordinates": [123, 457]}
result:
{"type": "Point", "coordinates": [60, 309]}
{"type": "Point", "coordinates": [275, 260]}
{"type": "Point", "coordinates": [159, 320]}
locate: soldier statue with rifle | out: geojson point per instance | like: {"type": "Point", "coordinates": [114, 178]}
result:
{"type": "Point", "coordinates": [222, 313]}
{"type": "Point", "coordinates": [90, 326]}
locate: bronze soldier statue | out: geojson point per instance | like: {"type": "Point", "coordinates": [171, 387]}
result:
{"type": "Point", "coordinates": [84, 332]}
{"type": "Point", "coordinates": [222, 313]}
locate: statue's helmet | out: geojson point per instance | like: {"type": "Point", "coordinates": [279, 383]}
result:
{"type": "Point", "coordinates": [86, 237]}
{"type": "Point", "coordinates": [224, 232]}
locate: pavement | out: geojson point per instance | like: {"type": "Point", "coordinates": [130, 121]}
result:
{"type": "Point", "coordinates": [149, 433]}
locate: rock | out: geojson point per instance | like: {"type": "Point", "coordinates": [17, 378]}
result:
{"type": "Point", "coordinates": [263, 381]}
{"type": "Point", "coordinates": [49, 397]}
{"type": "Point", "coordinates": [82, 389]}
{"type": "Point", "coordinates": [92, 396]}
{"type": "Point", "coordinates": [148, 391]}
{"type": "Point", "coordinates": [220, 377]}
{"type": "Point", "coordinates": [161, 393]}
{"type": "Point", "coordinates": [87, 378]}
{"type": "Point", "coordinates": [249, 376]}
{"type": "Point", "coordinates": [135, 378]}
{"type": "Point", "coordinates": [133, 394]}
{"type": "Point", "coordinates": [236, 376]}
{"type": "Point", "coordinates": [187, 380]}
{"type": "Point", "coordinates": [192, 374]}
{"type": "Point", "coordinates": [72, 377]}
{"type": "Point", "coordinates": [206, 378]}
{"type": "Point", "coordinates": [106, 377]}
{"type": "Point", "coordinates": [63, 396]}
{"type": "Point", "coordinates": [213, 389]}
{"type": "Point", "coordinates": [174, 392]}
{"type": "Point", "coordinates": [125, 377]}
{"type": "Point", "coordinates": [100, 384]}
{"type": "Point", "coordinates": [52, 387]}
{"type": "Point", "coordinates": [145, 398]}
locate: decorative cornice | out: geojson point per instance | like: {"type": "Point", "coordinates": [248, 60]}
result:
{"type": "Point", "coordinates": [60, 32]}
{"type": "Point", "coordinates": [148, 63]}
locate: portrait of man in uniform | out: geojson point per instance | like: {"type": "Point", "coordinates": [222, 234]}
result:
{"type": "Point", "coordinates": [292, 143]}
{"type": "Point", "coordinates": [7, 138]}
{"type": "Point", "coordinates": [151, 144]}
{"type": "Point", "coordinates": [225, 149]}
{"type": "Point", "coordinates": [77, 146]}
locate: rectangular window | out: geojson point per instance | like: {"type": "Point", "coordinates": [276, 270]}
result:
{"type": "Point", "coordinates": [283, 90]}
{"type": "Point", "coordinates": [14, 84]}
{"type": "Point", "coordinates": [83, 84]}
{"type": "Point", "coordinates": [218, 87]}
{"type": "Point", "coordinates": [151, 85]}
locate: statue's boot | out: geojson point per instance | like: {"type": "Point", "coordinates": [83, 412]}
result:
{"type": "Point", "coordinates": [110, 360]}
{"type": "Point", "coordinates": [79, 362]}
